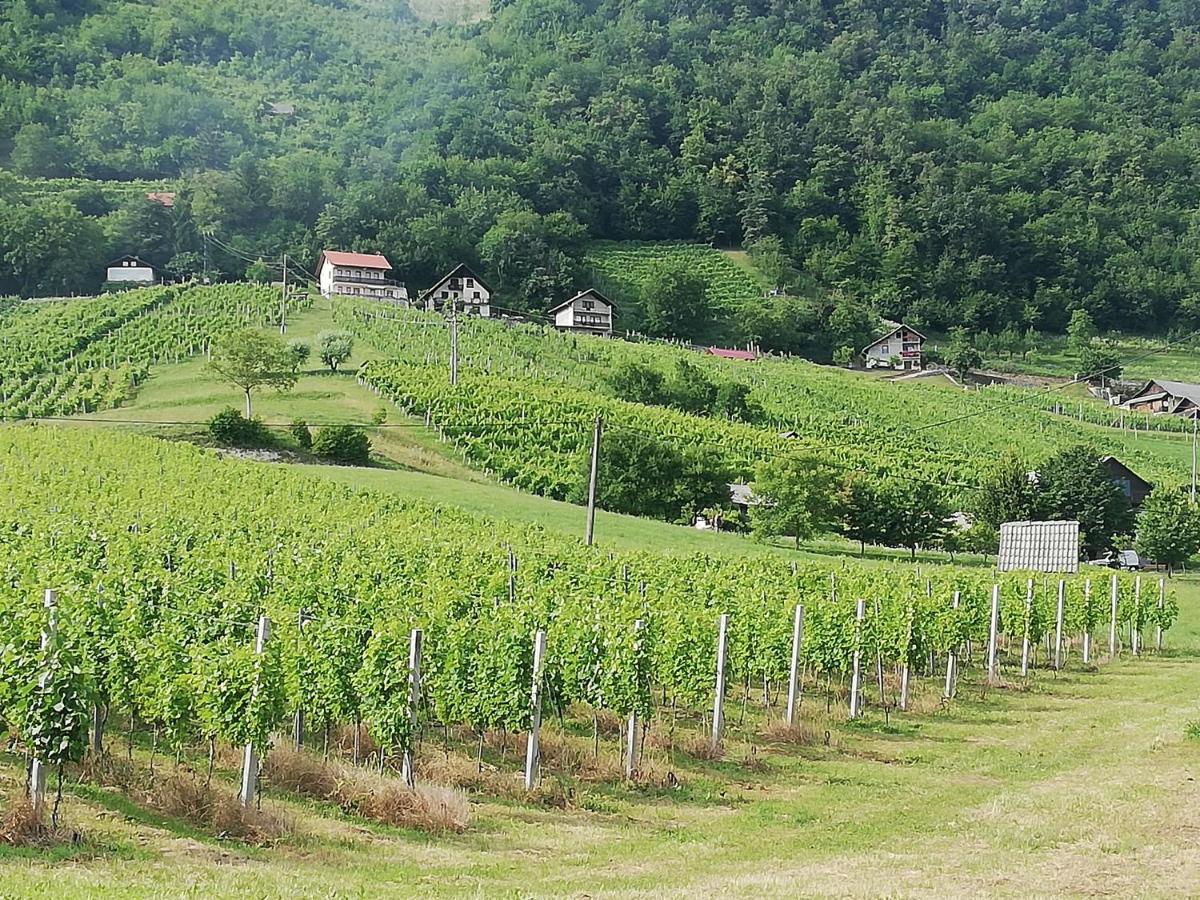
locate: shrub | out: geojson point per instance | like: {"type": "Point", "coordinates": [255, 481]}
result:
{"type": "Point", "coordinates": [380, 415]}
{"type": "Point", "coordinates": [231, 429]}
{"type": "Point", "coordinates": [1191, 730]}
{"type": "Point", "coordinates": [300, 350]}
{"type": "Point", "coordinates": [299, 430]}
{"type": "Point", "coordinates": [346, 444]}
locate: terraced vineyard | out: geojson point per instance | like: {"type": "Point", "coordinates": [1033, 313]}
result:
{"type": "Point", "coordinates": [623, 267]}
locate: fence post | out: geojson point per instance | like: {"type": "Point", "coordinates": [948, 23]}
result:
{"type": "Point", "coordinates": [1025, 638]}
{"type": "Point", "coordinates": [1058, 625]}
{"type": "Point", "coordinates": [1162, 599]}
{"type": "Point", "coordinates": [718, 725]}
{"type": "Point", "coordinates": [993, 669]}
{"type": "Point", "coordinates": [856, 672]}
{"type": "Point", "coordinates": [952, 658]}
{"type": "Point", "coordinates": [631, 741]}
{"type": "Point", "coordinates": [1087, 628]}
{"type": "Point", "coordinates": [39, 772]}
{"type": "Point", "coordinates": [414, 698]}
{"type": "Point", "coordinates": [249, 756]}
{"type": "Point", "coordinates": [1135, 627]}
{"type": "Point", "coordinates": [532, 754]}
{"type": "Point", "coordinates": [1112, 622]}
{"type": "Point", "coordinates": [794, 671]}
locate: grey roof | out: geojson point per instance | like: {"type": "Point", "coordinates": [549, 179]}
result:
{"type": "Point", "coordinates": [1039, 547]}
{"type": "Point", "coordinates": [1175, 389]}
{"type": "Point", "coordinates": [891, 331]}
{"type": "Point", "coordinates": [598, 295]}
{"type": "Point", "coordinates": [281, 109]}
{"type": "Point", "coordinates": [741, 495]}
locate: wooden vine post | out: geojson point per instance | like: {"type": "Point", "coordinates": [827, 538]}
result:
{"type": "Point", "coordinates": [952, 658]}
{"type": "Point", "coordinates": [904, 666]}
{"type": "Point", "coordinates": [1087, 628]}
{"type": "Point", "coordinates": [532, 753]}
{"type": "Point", "coordinates": [794, 670]}
{"type": "Point", "coordinates": [1135, 627]}
{"type": "Point", "coordinates": [1058, 625]}
{"type": "Point", "coordinates": [993, 667]}
{"type": "Point", "coordinates": [249, 789]}
{"type": "Point", "coordinates": [298, 721]}
{"type": "Point", "coordinates": [1112, 622]}
{"type": "Point", "coordinates": [1158, 629]}
{"type": "Point", "coordinates": [856, 670]}
{"type": "Point", "coordinates": [718, 726]}
{"type": "Point", "coordinates": [414, 699]}
{"type": "Point", "coordinates": [39, 771]}
{"type": "Point", "coordinates": [631, 730]}
{"type": "Point", "coordinates": [1025, 638]}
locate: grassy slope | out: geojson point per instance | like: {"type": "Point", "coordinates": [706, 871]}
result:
{"type": "Point", "coordinates": [1081, 783]}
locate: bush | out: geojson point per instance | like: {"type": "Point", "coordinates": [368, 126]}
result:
{"type": "Point", "coordinates": [345, 444]}
{"type": "Point", "coordinates": [380, 415]}
{"type": "Point", "coordinates": [299, 430]}
{"type": "Point", "coordinates": [231, 429]}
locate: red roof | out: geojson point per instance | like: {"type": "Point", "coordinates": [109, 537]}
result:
{"type": "Point", "coordinates": [732, 354]}
{"type": "Point", "coordinates": [364, 260]}
{"type": "Point", "coordinates": [166, 198]}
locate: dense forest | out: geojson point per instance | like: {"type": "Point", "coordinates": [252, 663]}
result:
{"type": "Point", "coordinates": [990, 163]}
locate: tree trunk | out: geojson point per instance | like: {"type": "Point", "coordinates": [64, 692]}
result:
{"type": "Point", "coordinates": [249, 409]}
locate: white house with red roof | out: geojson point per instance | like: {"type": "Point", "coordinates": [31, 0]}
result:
{"type": "Point", "coordinates": [746, 355]}
{"type": "Point", "coordinates": [358, 275]}
{"type": "Point", "coordinates": [899, 348]}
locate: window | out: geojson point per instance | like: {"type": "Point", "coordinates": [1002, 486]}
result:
{"type": "Point", "coordinates": [471, 283]}
{"type": "Point", "coordinates": [445, 294]}
{"type": "Point", "coordinates": [588, 304]}
{"type": "Point", "coordinates": [883, 348]}
{"type": "Point", "coordinates": [475, 295]}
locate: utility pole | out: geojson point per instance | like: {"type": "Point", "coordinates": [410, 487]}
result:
{"type": "Point", "coordinates": [453, 344]}
{"type": "Point", "coordinates": [283, 300]}
{"type": "Point", "coordinates": [590, 531]}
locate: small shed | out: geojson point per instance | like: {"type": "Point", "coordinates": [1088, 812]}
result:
{"type": "Point", "coordinates": [1039, 547]}
{"type": "Point", "coordinates": [131, 269]}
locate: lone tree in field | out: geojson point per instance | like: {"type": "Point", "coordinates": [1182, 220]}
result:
{"type": "Point", "coordinates": [793, 496]}
{"type": "Point", "coordinates": [335, 347]}
{"type": "Point", "coordinates": [1168, 530]}
{"type": "Point", "coordinates": [961, 355]}
{"type": "Point", "coordinates": [255, 359]}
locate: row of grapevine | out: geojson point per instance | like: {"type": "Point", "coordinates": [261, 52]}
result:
{"type": "Point", "coordinates": [68, 357]}
{"type": "Point", "coordinates": [855, 420]}
{"type": "Point", "coordinates": [164, 558]}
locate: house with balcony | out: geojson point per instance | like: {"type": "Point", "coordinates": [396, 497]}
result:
{"type": "Point", "coordinates": [901, 348]}
{"type": "Point", "coordinates": [588, 312]}
{"type": "Point", "coordinates": [131, 270]}
{"type": "Point", "coordinates": [460, 290]}
{"type": "Point", "coordinates": [359, 275]}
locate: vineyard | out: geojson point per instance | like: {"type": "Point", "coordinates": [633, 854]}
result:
{"type": "Point", "coordinates": [555, 383]}
{"type": "Point", "coordinates": [622, 268]}
{"type": "Point", "coordinates": [164, 559]}
{"type": "Point", "coordinates": [77, 356]}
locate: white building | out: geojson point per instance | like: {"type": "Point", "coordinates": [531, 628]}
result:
{"type": "Point", "coordinates": [130, 268]}
{"type": "Point", "coordinates": [358, 275]}
{"type": "Point", "coordinates": [463, 289]}
{"type": "Point", "coordinates": [588, 311]}
{"type": "Point", "coordinates": [900, 348]}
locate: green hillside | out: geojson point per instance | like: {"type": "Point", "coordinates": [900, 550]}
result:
{"type": "Point", "coordinates": [983, 167]}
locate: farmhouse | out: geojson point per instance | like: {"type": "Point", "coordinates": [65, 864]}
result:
{"type": "Point", "coordinates": [1175, 398]}
{"type": "Point", "coordinates": [588, 311]}
{"type": "Point", "coordinates": [725, 353]}
{"type": "Point", "coordinates": [131, 269]}
{"type": "Point", "coordinates": [358, 275]}
{"type": "Point", "coordinates": [1133, 486]}
{"type": "Point", "coordinates": [461, 288]}
{"type": "Point", "coordinates": [900, 348]}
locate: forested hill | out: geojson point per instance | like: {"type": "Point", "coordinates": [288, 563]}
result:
{"type": "Point", "coordinates": [965, 161]}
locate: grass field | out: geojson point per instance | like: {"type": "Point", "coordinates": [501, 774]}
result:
{"type": "Point", "coordinates": [1079, 784]}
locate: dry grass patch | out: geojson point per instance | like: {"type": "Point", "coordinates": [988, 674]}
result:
{"type": "Point", "coordinates": [358, 791]}
{"type": "Point", "coordinates": [21, 828]}
{"type": "Point", "coordinates": [184, 794]}
{"type": "Point", "coordinates": [800, 734]}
